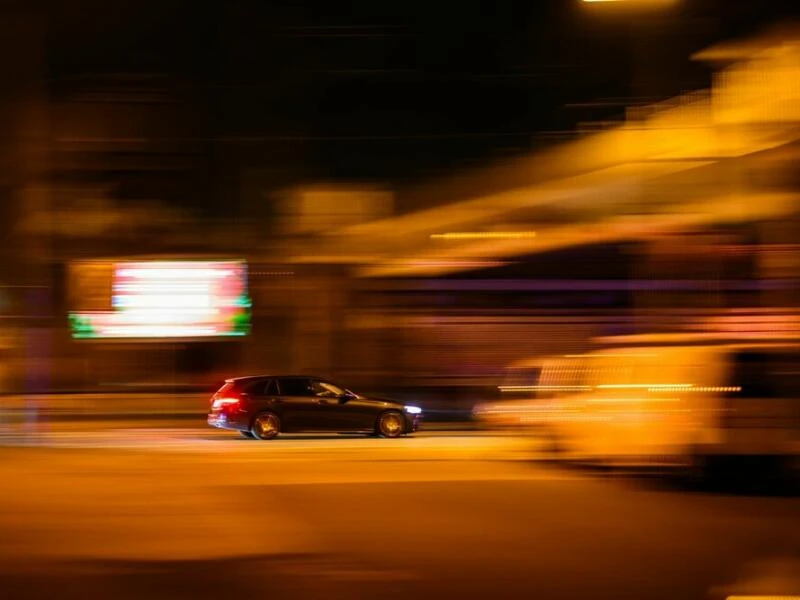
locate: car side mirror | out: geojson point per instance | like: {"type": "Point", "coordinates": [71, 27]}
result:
{"type": "Point", "coordinates": [346, 397]}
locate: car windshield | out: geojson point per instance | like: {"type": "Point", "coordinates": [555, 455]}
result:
{"type": "Point", "coordinates": [319, 387]}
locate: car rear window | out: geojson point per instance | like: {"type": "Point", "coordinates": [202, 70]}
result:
{"type": "Point", "coordinates": [250, 386]}
{"type": "Point", "coordinates": [228, 386]}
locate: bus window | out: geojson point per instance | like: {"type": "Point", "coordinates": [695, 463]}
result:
{"type": "Point", "coordinates": [764, 374]}
{"type": "Point", "coordinates": [520, 384]}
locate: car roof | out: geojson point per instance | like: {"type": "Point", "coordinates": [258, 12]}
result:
{"type": "Point", "coordinates": [272, 376]}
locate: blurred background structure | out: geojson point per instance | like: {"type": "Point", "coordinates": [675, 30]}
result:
{"type": "Point", "coordinates": [388, 247]}
{"type": "Point", "coordinates": [535, 222]}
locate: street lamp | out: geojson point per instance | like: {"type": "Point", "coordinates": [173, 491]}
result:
{"type": "Point", "coordinates": [630, 5]}
{"type": "Point", "coordinates": [636, 2]}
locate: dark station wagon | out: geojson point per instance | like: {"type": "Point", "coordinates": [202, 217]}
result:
{"type": "Point", "coordinates": [263, 406]}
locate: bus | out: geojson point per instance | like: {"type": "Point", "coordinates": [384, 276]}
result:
{"type": "Point", "coordinates": [685, 401]}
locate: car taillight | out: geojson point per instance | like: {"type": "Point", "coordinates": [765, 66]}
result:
{"type": "Point", "coordinates": [220, 402]}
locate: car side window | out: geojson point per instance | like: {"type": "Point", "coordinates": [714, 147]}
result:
{"type": "Point", "coordinates": [294, 387]}
{"type": "Point", "coordinates": [255, 388]}
{"type": "Point", "coordinates": [271, 388]}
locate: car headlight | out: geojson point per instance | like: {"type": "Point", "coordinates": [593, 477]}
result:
{"type": "Point", "coordinates": [413, 410]}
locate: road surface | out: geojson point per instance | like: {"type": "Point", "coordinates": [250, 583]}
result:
{"type": "Point", "coordinates": [180, 512]}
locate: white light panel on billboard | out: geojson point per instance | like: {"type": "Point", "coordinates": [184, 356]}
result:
{"type": "Point", "coordinates": [171, 299]}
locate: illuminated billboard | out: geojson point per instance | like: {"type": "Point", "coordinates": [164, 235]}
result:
{"type": "Point", "coordinates": [170, 299]}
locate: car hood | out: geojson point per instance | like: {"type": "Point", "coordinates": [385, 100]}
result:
{"type": "Point", "coordinates": [378, 400]}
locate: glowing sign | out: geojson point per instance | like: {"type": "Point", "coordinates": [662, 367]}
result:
{"type": "Point", "coordinates": [162, 299]}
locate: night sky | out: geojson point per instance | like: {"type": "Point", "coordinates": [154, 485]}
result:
{"type": "Point", "coordinates": [396, 91]}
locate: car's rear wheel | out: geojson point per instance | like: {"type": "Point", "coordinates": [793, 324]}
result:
{"type": "Point", "coordinates": [246, 434]}
{"type": "Point", "coordinates": [266, 426]}
{"type": "Point", "coordinates": [390, 424]}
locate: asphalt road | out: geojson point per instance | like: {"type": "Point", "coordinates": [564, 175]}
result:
{"type": "Point", "coordinates": [167, 513]}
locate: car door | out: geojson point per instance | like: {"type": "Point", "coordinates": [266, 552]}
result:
{"type": "Point", "coordinates": [262, 395]}
{"type": "Point", "coordinates": [340, 410]}
{"type": "Point", "coordinates": [296, 404]}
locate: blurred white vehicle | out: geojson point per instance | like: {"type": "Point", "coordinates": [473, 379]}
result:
{"type": "Point", "coordinates": [682, 400]}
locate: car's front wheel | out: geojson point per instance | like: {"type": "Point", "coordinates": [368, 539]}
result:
{"type": "Point", "coordinates": [390, 424]}
{"type": "Point", "coordinates": [266, 426]}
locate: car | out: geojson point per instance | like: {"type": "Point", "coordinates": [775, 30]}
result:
{"type": "Point", "coordinates": [263, 406]}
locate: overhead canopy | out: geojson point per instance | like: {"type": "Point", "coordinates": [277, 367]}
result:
{"type": "Point", "coordinates": [670, 167]}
